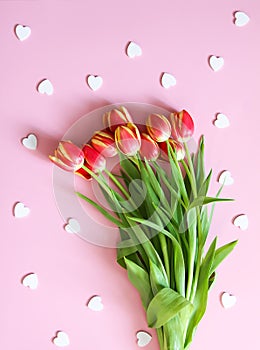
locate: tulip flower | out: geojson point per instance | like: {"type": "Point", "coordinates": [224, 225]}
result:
{"type": "Point", "coordinates": [176, 146]}
{"type": "Point", "coordinates": [95, 161]}
{"type": "Point", "coordinates": [116, 117]}
{"type": "Point", "coordinates": [149, 148]}
{"type": "Point", "coordinates": [158, 127]}
{"type": "Point", "coordinates": [68, 156]}
{"type": "Point", "coordinates": [182, 126]}
{"type": "Point", "coordinates": [128, 139]}
{"type": "Point", "coordinates": [103, 141]}
{"type": "Point", "coordinates": [83, 172]}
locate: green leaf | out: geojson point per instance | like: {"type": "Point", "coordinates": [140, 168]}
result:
{"type": "Point", "coordinates": [221, 253]}
{"type": "Point", "coordinates": [157, 278]}
{"type": "Point", "coordinates": [199, 201]}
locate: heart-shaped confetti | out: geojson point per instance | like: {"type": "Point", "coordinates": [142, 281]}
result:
{"type": "Point", "coordinates": [216, 62]}
{"type": "Point", "coordinates": [20, 210]}
{"type": "Point", "coordinates": [241, 221]}
{"type": "Point", "coordinates": [221, 121]}
{"type": "Point", "coordinates": [72, 226]}
{"type": "Point", "coordinates": [94, 82]}
{"type": "Point", "coordinates": [45, 87]}
{"type": "Point", "coordinates": [133, 50]}
{"type": "Point", "coordinates": [30, 142]}
{"type": "Point", "coordinates": [168, 80]}
{"type": "Point", "coordinates": [22, 32]}
{"type": "Point", "coordinates": [143, 338]}
{"type": "Point", "coordinates": [95, 303]}
{"type": "Point", "coordinates": [225, 178]}
{"type": "Point", "coordinates": [61, 339]}
{"type": "Point", "coordinates": [228, 300]}
{"type": "Point", "coordinates": [241, 18]}
{"type": "Point", "coordinates": [30, 281]}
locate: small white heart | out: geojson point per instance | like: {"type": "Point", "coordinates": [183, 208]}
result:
{"type": "Point", "coordinates": [143, 338]}
{"type": "Point", "coordinates": [133, 50]}
{"type": "Point", "coordinates": [30, 281]}
{"type": "Point", "coordinates": [216, 63]}
{"type": "Point", "coordinates": [221, 121]}
{"type": "Point", "coordinates": [61, 339]}
{"type": "Point", "coordinates": [168, 80]}
{"type": "Point", "coordinates": [241, 221]}
{"type": "Point", "coordinates": [225, 178]}
{"type": "Point", "coordinates": [95, 303]}
{"type": "Point", "coordinates": [228, 300]}
{"type": "Point", "coordinates": [45, 87]}
{"type": "Point", "coordinates": [241, 18]}
{"type": "Point", "coordinates": [20, 210]}
{"type": "Point", "coordinates": [72, 226]}
{"type": "Point", "coordinates": [94, 82]}
{"type": "Point", "coordinates": [30, 142]}
{"type": "Point", "coordinates": [22, 32]}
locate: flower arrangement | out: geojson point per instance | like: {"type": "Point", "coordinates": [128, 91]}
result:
{"type": "Point", "coordinates": [158, 201]}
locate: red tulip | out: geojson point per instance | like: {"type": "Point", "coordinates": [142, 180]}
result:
{"type": "Point", "coordinates": [128, 139]}
{"type": "Point", "coordinates": [176, 146]}
{"type": "Point", "coordinates": [83, 173]}
{"type": "Point", "coordinates": [158, 127]}
{"type": "Point", "coordinates": [116, 117]}
{"type": "Point", "coordinates": [182, 126]}
{"type": "Point", "coordinates": [149, 148]}
{"type": "Point", "coordinates": [68, 156]}
{"type": "Point", "coordinates": [95, 161]}
{"type": "Point", "coordinates": [103, 141]}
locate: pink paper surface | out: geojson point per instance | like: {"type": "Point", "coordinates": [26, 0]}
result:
{"type": "Point", "coordinates": [73, 39]}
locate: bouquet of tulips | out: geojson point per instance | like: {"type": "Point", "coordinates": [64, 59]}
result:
{"type": "Point", "coordinates": [158, 200]}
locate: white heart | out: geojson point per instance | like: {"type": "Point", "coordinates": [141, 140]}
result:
{"type": "Point", "coordinates": [143, 338]}
{"type": "Point", "coordinates": [133, 50]}
{"type": "Point", "coordinates": [241, 18]}
{"type": "Point", "coordinates": [72, 226]}
{"type": "Point", "coordinates": [62, 339]}
{"type": "Point", "coordinates": [228, 300]}
{"type": "Point", "coordinates": [22, 32]}
{"type": "Point", "coordinates": [241, 221]}
{"type": "Point", "coordinates": [30, 281]}
{"type": "Point", "coordinates": [225, 178]}
{"type": "Point", "coordinates": [168, 80]}
{"type": "Point", "coordinates": [94, 82]}
{"type": "Point", "coordinates": [95, 303]}
{"type": "Point", "coordinates": [20, 210]}
{"type": "Point", "coordinates": [216, 63]}
{"type": "Point", "coordinates": [45, 87]}
{"type": "Point", "coordinates": [30, 142]}
{"type": "Point", "coordinates": [221, 121]}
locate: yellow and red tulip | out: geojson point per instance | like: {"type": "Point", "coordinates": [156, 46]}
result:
{"type": "Point", "coordinates": [103, 141]}
{"type": "Point", "coordinates": [68, 156]}
{"type": "Point", "coordinates": [176, 146]}
{"type": "Point", "coordinates": [95, 161]}
{"type": "Point", "coordinates": [182, 125]}
{"type": "Point", "coordinates": [116, 117]}
{"type": "Point", "coordinates": [149, 148]}
{"type": "Point", "coordinates": [128, 139]}
{"type": "Point", "coordinates": [158, 127]}
{"type": "Point", "coordinates": [83, 172]}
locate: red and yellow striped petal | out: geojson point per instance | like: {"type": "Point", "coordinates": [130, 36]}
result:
{"type": "Point", "coordinates": [158, 127]}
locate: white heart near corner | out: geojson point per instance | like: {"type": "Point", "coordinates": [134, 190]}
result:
{"type": "Point", "coordinates": [228, 300]}
{"type": "Point", "coordinates": [72, 226]}
{"type": "Point", "coordinates": [95, 303]}
{"type": "Point", "coordinates": [22, 32]}
{"type": "Point", "coordinates": [133, 50]}
{"type": "Point", "coordinates": [94, 82]}
{"type": "Point", "coordinates": [45, 87]}
{"type": "Point", "coordinates": [168, 80]}
{"type": "Point", "coordinates": [216, 62]}
{"type": "Point", "coordinates": [20, 210]}
{"type": "Point", "coordinates": [30, 142]}
{"type": "Point", "coordinates": [61, 339]}
{"type": "Point", "coordinates": [241, 18]}
{"type": "Point", "coordinates": [143, 338]}
{"type": "Point", "coordinates": [225, 178]}
{"type": "Point", "coordinates": [241, 221]}
{"type": "Point", "coordinates": [30, 281]}
{"type": "Point", "coordinates": [221, 121]}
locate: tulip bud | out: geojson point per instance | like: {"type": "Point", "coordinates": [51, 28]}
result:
{"type": "Point", "coordinates": [182, 126]}
{"type": "Point", "coordinates": [103, 142]}
{"type": "Point", "coordinates": [128, 139]}
{"type": "Point", "coordinates": [68, 156]}
{"type": "Point", "coordinates": [176, 146]}
{"type": "Point", "coordinates": [95, 161]}
{"type": "Point", "coordinates": [149, 148]}
{"type": "Point", "coordinates": [116, 117]}
{"type": "Point", "coordinates": [158, 127]}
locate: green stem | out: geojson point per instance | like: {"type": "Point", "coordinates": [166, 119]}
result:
{"type": "Point", "coordinates": [163, 243]}
{"type": "Point", "coordinates": [117, 183]}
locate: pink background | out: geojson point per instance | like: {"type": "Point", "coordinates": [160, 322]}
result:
{"type": "Point", "coordinates": [69, 41]}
